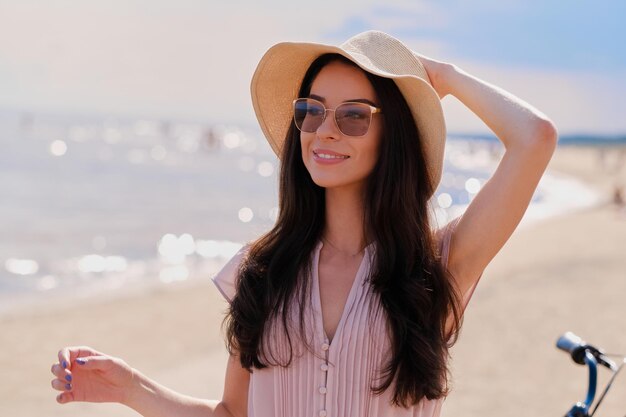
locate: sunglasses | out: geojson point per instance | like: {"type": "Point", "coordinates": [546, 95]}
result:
{"type": "Point", "coordinates": [352, 118]}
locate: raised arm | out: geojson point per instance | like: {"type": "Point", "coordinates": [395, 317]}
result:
{"type": "Point", "coordinates": [84, 374]}
{"type": "Point", "coordinates": [529, 138]}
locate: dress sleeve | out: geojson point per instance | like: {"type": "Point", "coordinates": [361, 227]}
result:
{"type": "Point", "coordinates": [445, 238]}
{"type": "Point", "coordinates": [226, 279]}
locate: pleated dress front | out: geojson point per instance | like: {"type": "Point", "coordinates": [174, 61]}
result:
{"type": "Point", "coordinates": [330, 378]}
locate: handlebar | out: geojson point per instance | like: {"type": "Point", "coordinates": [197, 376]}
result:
{"type": "Point", "coordinates": [574, 345]}
{"type": "Point", "coordinates": [585, 354]}
{"type": "Point", "coordinates": [577, 349]}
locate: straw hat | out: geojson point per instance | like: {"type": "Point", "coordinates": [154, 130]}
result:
{"type": "Point", "coordinates": [276, 83]}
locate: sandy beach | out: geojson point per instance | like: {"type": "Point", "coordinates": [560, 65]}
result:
{"type": "Point", "coordinates": [566, 273]}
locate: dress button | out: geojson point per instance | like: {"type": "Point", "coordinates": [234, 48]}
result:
{"type": "Point", "coordinates": [324, 367]}
{"type": "Point", "coordinates": [325, 346]}
{"type": "Point", "coordinates": [322, 390]}
{"type": "Point", "coordinates": [322, 413]}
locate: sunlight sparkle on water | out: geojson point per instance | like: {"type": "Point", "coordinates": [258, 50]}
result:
{"type": "Point", "coordinates": [265, 169]}
{"type": "Point", "coordinates": [245, 214]}
{"type": "Point", "coordinates": [21, 266]}
{"type": "Point", "coordinates": [58, 148]}
{"type": "Point", "coordinates": [47, 282]}
{"type": "Point", "coordinates": [231, 140]}
{"type": "Point", "coordinates": [444, 200]}
{"type": "Point", "coordinates": [98, 263]}
{"type": "Point", "coordinates": [173, 249]}
{"type": "Point", "coordinates": [472, 185]}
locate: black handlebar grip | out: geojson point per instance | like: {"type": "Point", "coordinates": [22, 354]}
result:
{"type": "Point", "coordinates": [574, 345]}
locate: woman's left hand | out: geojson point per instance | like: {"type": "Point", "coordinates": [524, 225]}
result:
{"type": "Point", "coordinates": [437, 72]}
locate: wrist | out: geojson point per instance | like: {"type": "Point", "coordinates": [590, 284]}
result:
{"type": "Point", "coordinates": [443, 77]}
{"type": "Point", "coordinates": [456, 78]}
{"type": "Point", "coordinates": [138, 391]}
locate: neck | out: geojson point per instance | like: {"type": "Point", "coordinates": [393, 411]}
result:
{"type": "Point", "coordinates": [344, 229]}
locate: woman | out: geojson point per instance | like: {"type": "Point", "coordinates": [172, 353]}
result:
{"type": "Point", "coordinates": [349, 304]}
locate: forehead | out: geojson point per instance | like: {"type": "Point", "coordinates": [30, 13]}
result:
{"type": "Point", "coordinates": [338, 82]}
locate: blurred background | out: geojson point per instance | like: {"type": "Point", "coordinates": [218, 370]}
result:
{"type": "Point", "coordinates": [132, 169]}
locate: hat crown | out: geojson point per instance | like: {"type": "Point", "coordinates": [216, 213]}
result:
{"type": "Point", "coordinates": [385, 53]}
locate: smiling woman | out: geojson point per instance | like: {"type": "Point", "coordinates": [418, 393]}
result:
{"type": "Point", "coordinates": [352, 159]}
{"type": "Point", "coordinates": [349, 304]}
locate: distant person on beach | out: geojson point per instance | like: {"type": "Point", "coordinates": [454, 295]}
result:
{"type": "Point", "coordinates": [618, 196]}
{"type": "Point", "coordinates": [618, 200]}
{"type": "Point", "coordinates": [211, 140]}
{"type": "Point", "coordinates": [348, 306]}
{"type": "Point", "coordinates": [611, 160]}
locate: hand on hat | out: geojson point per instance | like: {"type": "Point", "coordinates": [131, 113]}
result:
{"type": "Point", "coordinates": [437, 72]}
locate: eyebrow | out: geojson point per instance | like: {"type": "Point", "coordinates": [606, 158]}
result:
{"type": "Point", "coordinates": [354, 100]}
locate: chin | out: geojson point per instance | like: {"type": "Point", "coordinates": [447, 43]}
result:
{"type": "Point", "coordinates": [323, 178]}
{"type": "Point", "coordinates": [326, 182]}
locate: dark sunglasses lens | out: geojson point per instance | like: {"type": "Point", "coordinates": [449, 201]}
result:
{"type": "Point", "coordinates": [353, 119]}
{"type": "Point", "coordinates": [308, 115]}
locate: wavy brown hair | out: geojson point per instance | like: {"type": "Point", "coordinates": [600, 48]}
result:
{"type": "Point", "coordinates": [417, 296]}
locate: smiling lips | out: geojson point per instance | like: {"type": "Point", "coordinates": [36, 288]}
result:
{"type": "Point", "coordinates": [326, 156]}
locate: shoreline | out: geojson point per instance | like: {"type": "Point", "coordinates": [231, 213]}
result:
{"type": "Point", "coordinates": [544, 282]}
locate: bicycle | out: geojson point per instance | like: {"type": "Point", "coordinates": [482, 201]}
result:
{"type": "Point", "coordinates": [585, 354]}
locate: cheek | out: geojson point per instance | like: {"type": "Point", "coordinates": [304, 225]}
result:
{"type": "Point", "coordinates": [367, 160]}
{"type": "Point", "coordinates": [374, 149]}
{"type": "Point", "coordinates": [305, 143]}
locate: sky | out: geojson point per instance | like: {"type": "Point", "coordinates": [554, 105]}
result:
{"type": "Point", "coordinates": [193, 59]}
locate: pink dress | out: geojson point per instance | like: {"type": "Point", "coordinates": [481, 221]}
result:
{"type": "Point", "coordinates": [333, 380]}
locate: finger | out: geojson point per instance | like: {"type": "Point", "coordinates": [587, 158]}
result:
{"type": "Point", "coordinates": [65, 397]}
{"type": "Point", "coordinates": [58, 371]}
{"type": "Point", "coordinates": [67, 355]}
{"type": "Point", "coordinates": [61, 385]}
{"type": "Point", "coordinates": [64, 358]}
{"type": "Point", "coordinates": [93, 363]}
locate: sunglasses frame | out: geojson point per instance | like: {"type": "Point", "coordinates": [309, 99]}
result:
{"type": "Point", "coordinates": [373, 110]}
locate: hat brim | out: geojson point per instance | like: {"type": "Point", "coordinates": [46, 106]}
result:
{"type": "Point", "coordinates": [278, 77]}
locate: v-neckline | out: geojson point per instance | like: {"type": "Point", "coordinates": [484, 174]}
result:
{"type": "Point", "coordinates": [349, 299]}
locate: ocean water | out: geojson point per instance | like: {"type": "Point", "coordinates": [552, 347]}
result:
{"type": "Point", "coordinates": [99, 205]}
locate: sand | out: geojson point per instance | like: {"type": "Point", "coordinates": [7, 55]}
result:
{"type": "Point", "coordinates": [565, 273]}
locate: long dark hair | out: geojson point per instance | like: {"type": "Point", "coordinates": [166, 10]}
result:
{"type": "Point", "coordinates": [415, 293]}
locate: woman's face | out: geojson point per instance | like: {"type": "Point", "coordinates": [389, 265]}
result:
{"type": "Point", "coordinates": [335, 84]}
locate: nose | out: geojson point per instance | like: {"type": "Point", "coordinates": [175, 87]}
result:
{"type": "Point", "coordinates": [328, 129]}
